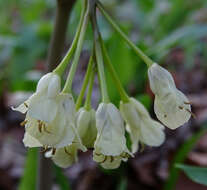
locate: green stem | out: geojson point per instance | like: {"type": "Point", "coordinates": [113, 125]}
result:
{"type": "Point", "coordinates": [99, 59]}
{"type": "Point", "coordinates": [63, 64]}
{"type": "Point", "coordinates": [113, 73]}
{"type": "Point", "coordinates": [85, 83]}
{"type": "Point", "coordinates": [68, 84]}
{"type": "Point", "coordinates": [90, 89]}
{"type": "Point", "coordinates": [138, 51]}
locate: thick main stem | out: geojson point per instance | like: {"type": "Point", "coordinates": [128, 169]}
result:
{"type": "Point", "coordinates": [45, 174]}
{"type": "Point", "coordinates": [58, 37]}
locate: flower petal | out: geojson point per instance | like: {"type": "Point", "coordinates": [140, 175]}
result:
{"type": "Point", "coordinates": [44, 82]}
{"type": "Point", "coordinates": [111, 134]}
{"type": "Point", "coordinates": [151, 132]}
{"type": "Point", "coordinates": [173, 111]}
{"type": "Point", "coordinates": [86, 126]}
{"type": "Point", "coordinates": [42, 108]}
{"type": "Point", "coordinates": [65, 157]}
{"type": "Point", "coordinates": [160, 79]}
{"type": "Point", "coordinates": [30, 141]}
{"type": "Point", "coordinates": [54, 86]}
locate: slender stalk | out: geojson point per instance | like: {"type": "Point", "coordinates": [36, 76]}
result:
{"type": "Point", "coordinates": [90, 89]}
{"type": "Point", "coordinates": [58, 37]}
{"type": "Point", "coordinates": [63, 64]}
{"type": "Point", "coordinates": [138, 51]}
{"type": "Point", "coordinates": [45, 174]}
{"type": "Point", "coordinates": [68, 85]}
{"type": "Point", "coordinates": [85, 83]}
{"type": "Point", "coordinates": [120, 88]}
{"type": "Point", "coordinates": [99, 58]}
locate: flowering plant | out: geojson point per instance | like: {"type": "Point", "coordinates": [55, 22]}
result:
{"type": "Point", "coordinates": [62, 126]}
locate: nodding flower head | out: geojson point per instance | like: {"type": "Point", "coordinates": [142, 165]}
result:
{"type": "Point", "coordinates": [141, 127]}
{"type": "Point", "coordinates": [171, 106]}
{"type": "Point", "coordinates": [86, 126]}
{"type": "Point", "coordinates": [110, 145]}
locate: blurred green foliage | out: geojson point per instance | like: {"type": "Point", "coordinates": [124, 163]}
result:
{"type": "Point", "coordinates": [197, 174]}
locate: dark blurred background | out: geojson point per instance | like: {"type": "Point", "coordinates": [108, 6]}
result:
{"type": "Point", "coordinates": [172, 32]}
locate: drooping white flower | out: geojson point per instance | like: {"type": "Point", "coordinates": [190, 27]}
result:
{"type": "Point", "coordinates": [86, 126]}
{"type": "Point", "coordinates": [50, 115]}
{"type": "Point", "coordinates": [140, 125]}
{"type": "Point", "coordinates": [171, 106]}
{"type": "Point", "coordinates": [110, 145]}
{"type": "Point", "coordinates": [61, 131]}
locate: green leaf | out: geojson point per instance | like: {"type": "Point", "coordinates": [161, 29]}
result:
{"type": "Point", "coordinates": [196, 174]}
{"type": "Point", "coordinates": [61, 179]}
{"type": "Point", "coordinates": [28, 181]}
{"type": "Point", "coordinates": [180, 158]}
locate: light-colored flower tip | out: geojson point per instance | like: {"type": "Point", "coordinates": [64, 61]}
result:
{"type": "Point", "coordinates": [63, 157]}
{"type": "Point", "coordinates": [86, 126]}
{"type": "Point", "coordinates": [140, 125]}
{"type": "Point", "coordinates": [107, 162]}
{"type": "Point", "coordinates": [30, 141]}
{"type": "Point", "coordinates": [51, 83]}
{"type": "Point", "coordinates": [171, 106]}
{"type": "Point", "coordinates": [110, 143]}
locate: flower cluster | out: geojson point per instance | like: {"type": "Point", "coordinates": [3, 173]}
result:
{"type": "Point", "coordinates": [62, 127]}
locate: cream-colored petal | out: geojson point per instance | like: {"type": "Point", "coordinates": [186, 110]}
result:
{"type": "Point", "coordinates": [43, 108]}
{"type": "Point", "coordinates": [23, 108]}
{"type": "Point", "coordinates": [86, 126]}
{"type": "Point", "coordinates": [68, 137]}
{"type": "Point", "coordinates": [173, 110]}
{"type": "Point", "coordinates": [54, 86]}
{"type": "Point", "coordinates": [65, 157]}
{"type": "Point", "coordinates": [140, 125]}
{"type": "Point", "coordinates": [49, 134]}
{"type": "Point", "coordinates": [107, 162]}
{"type": "Point", "coordinates": [151, 132]}
{"type": "Point", "coordinates": [160, 79]}
{"type": "Point", "coordinates": [30, 141]}
{"type": "Point", "coordinates": [44, 82]}
{"type": "Point", "coordinates": [135, 138]}
{"type": "Point", "coordinates": [111, 133]}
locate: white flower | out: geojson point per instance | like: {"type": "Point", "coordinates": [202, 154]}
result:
{"type": "Point", "coordinates": [41, 105]}
{"type": "Point", "coordinates": [110, 145]}
{"type": "Point", "coordinates": [64, 157]}
{"type": "Point", "coordinates": [140, 125]}
{"type": "Point", "coordinates": [61, 131]}
{"type": "Point", "coordinates": [171, 106]}
{"type": "Point", "coordinates": [86, 126]}
{"type": "Point", "coordinates": [50, 115]}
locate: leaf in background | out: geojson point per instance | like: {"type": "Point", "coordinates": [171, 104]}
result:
{"type": "Point", "coordinates": [162, 47]}
{"type": "Point", "coordinates": [28, 180]}
{"type": "Point", "coordinates": [145, 100]}
{"type": "Point", "coordinates": [123, 63]}
{"type": "Point", "coordinates": [180, 158]}
{"type": "Point", "coordinates": [61, 179]}
{"type": "Point", "coordinates": [196, 174]}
